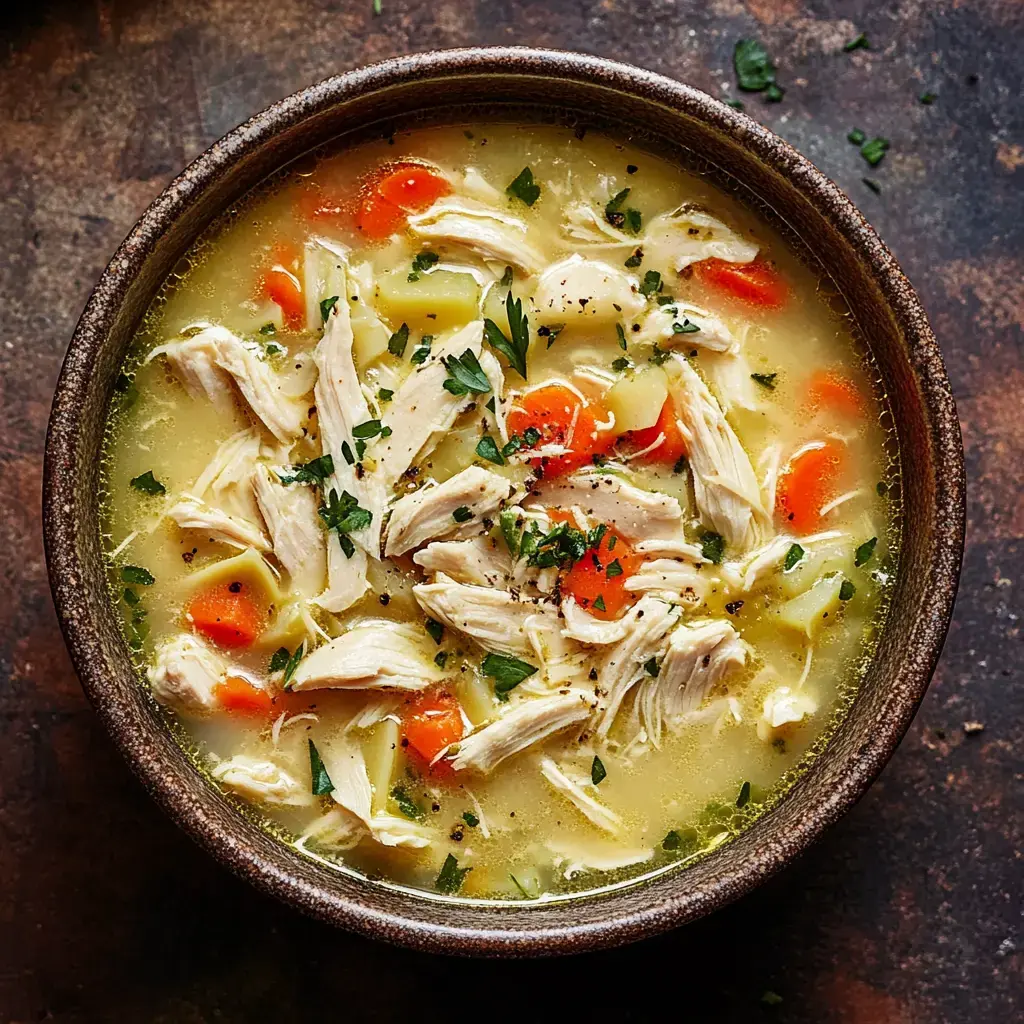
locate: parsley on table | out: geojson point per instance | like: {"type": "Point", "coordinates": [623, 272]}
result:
{"type": "Point", "coordinates": [137, 575]}
{"type": "Point", "coordinates": [326, 305]}
{"type": "Point", "coordinates": [507, 673]}
{"type": "Point", "coordinates": [316, 471]}
{"type": "Point", "coordinates": [873, 185]}
{"type": "Point", "coordinates": [406, 804]}
{"type": "Point", "coordinates": [450, 877]}
{"type": "Point", "coordinates": [147, 483]}
{"type": "Point", "coordinates": [754, 68]}
{"type": "Point", "coordinates": [466, 375]}
{"type": "Point", "coordinates": [856, 136]}
{"type": "Point", "coordinates": [874, 150]}
{"type": "Point", "coordinates": [766, 380]}
{"type": "Point", "coordinates": [859, 42]}
{"type": "Point", "coordinates": [420, 355]}
{"type": "Point", "coordinates": [598, 772]}
{"type": "Point", "coordinates": [863, 553]}
{"type": "Point", "coordinates": [487, 448]}
{"type": "Point", "coordinates": [524, 187]}
{"type": "Point", "coordinates": [744, 797]}
{"type": "Point", "coordinates": [398, 341]}
{"type": "Point", "coordinates": [321, 781]}
{"type": "Point", "coordinates": [846, 590]}
{"type": "Point", "coordinates": [514, 349]}
{"type": "Point", "coordinates": [462, 514]}
{"type": "Point", "coordinates": [651, 284]}
{"type": "Point", "coordinates": [422, 261]}
{"type": "Point", "coordinates": [793, 556]}
{"type": "Point", "coordinates": [712, 546]}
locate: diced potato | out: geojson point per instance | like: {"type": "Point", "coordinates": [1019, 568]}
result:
{"type": "Point", "coordinates": [475, 697]}
{"type": "Point", "coordinates": [813, 608]}
{"type": "Point", "coordinates": [369, 336]}
{"type": "Point", "coordinates": [288, 628]}
{"type": "Point", "coordinates": [636, 401]}
{"type": "Point", "coordinates": [381, 751]}
{"type": "Point", "coordinates": [248, 567]}
{"type": "Point", "coordinates": [819, 561]}
{"type": "Point", "coordinates": [441, 299]}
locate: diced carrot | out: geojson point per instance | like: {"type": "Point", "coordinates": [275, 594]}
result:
{"type": "Point", "coordinates": [413, 187]}
{"type": "Point", "coordinates": [561, 418]}
{"type": "Point", "coordinates": [279, 283]}
{"type": "Point", "coordinates": [237, 694]}
{"type": "Point", "coordinates": [227, 614]}
{"type": "Point", "coordinates": [588, 581]}
{"type": "Point", "coordinates": [757, 283]}
{"type": "Point", "coordinates": [835, 392]}
{"type": "Point", "coordinates": [807, 484]}
{"type": "Point", "coordinates": [430, 723]}
{"type": "Point", "coordinates": [671, 449]}
{"type": "Point", "coordinates": [377, 218]}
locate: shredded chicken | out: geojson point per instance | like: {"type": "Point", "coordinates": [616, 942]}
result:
{"type": "Point", "coordinates": [574, 858]}
{"type": "Point", "coordinates": [586, 290]}
{"type": "Point", "coordinates": [524, 723]}
{"type": "Point", "coordinates": [263, 780]}
{"type": "Point", "coordinates": [673, 323]}
{"type": "Point", "coordinates": [481, 560]}
{"type": "Point", "coordinates": [637, 514]}
{"type": "Point", "coordinates": [496, 378]}
{"type": "Point", "coordinates": [295, 530]}
{"type": "Point", "coordinates": [346, 577]}
{"type": "Point", "coordinates": [783, 707]}
{"type": "Point", "coordinates": [192, 514]}
{"type": "Point", "coordinates": [380, 654]}
{"type": "Point", "coordinates": [588, 629]}
{"type": "Point", "coordinates": [725, 487]}
{"type": "Point", "coordinates": [210, 360]}
{"type": "Point", "coordinates": [429, 513]}
{"type": "Point", "coordinates": [184, 674]}
{"type": "Point", "coordinates": [728, 374]}
{"type": "Point", "coordinates": [670, 575]}
{"type": "Point", "coordinates": [573, 789]}
{"type": "Point", "coordinates": [336, 830]}
{"type": "Point", "coordinates": [481, 229]}
{"type": "Point", "coordinates": [691, 234]}
{"type": "Point", "coordinates": [698, 656]}
{"type": "Point", "coordinates": [586, 225]}
{"type": "Point", "coordinates": [224, 483]}
{"type": "Point", "coordinates": [422, 412]}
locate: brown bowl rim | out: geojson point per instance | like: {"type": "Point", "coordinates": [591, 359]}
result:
{"type": "Point", "coordinates": [646, 908]}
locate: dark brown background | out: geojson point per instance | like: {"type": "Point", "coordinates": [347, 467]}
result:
{"type": "Point", "coordinates": [908, 911]}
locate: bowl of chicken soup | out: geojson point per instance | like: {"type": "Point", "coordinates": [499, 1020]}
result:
{"type": "Point", "coordinates": [500, 525]}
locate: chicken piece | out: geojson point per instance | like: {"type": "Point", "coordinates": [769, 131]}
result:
{"type": "Point", "coordinates": [726, 490]}
{"type": "Point", "coordinates": [495, 619]}
{"type": "Point", "coordinates": [352, 791]}
{"type": "Point", "coordinates": [676, 548]}
{"type": "Point", "coordinates": [608, 498]}
{"type": "Point", "coordinates": [729, 376]}
{"type": "Point", "coordinates": [262, 780]}
{"type": "Point", "coordinates": [699, 655]}
{"type": "Point", "coordinates": [346, 577]}
{"type": "Point", "coordinates": [324, 272]}
{"type": "Point", "coordinates": [783, 707]}
{"type": "Point", "coordinates": [422, 412]}
{"type": "Point", "coordinates": [477, 187]}
{"type": "Point", "coordinates": [208, 362]}
{"type": "Point", "coordinates": [192, 514]}
{"type": "Point", "coordinates": [496, 378]}
{"type": "Point", "coordinates": [482, 561]}
{"type": "Point", "coordinates": [588, 226]}
{"type": "Point", "coordinates": [428, 513]}
{"type": "Point", "coordinates": [691, 234]}
{"type": "Point", "coordinates": [661, 326]}
{"type": "Point", "coordinates": [184, 675]}
{"type": "Point", "coordinates": [295, 530]}
{"type": "Point", "coordinates": [586, 291]}
{"type": "Point", "coordinates": [376, 655]}
{"type": "Point", "coordinates": [341, 407]}
{"type": "Point", "coordinates": [588, 629]}
{"type": "Point", "coordinates": [670, 575]}
{"type": "Point", "coordinates": [225, 483]}
{"type": "Point", "coordinates": [622, 667]}
{"type": "Point", "coordinates": [575, 858]}
{"type": "Point", "coordinates": [573, 790]}
{"type": "Point", "coordinates": [481, 229]}
{"type": "Point", "coordinates": [525, 723]}
{"type": "Point", "coordinates": [336, 830]}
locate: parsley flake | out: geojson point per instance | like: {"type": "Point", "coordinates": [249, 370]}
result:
{"type": "Point", "coordinates": [754, 68]}
{"type": "Point", "coordinates": [651, 284]}
{"type": "Point", "coordinates": [514, 349]}
{"type": "Point", "coordinates": [874, 150]}
{"type": "Point", "coordinates": [712, 546]}
{"type": "Point", "coordinates": [614, 569]}
{"type": "Point", "coordinates": [487, 448]}
{"type": "Point", "coordinates": [405, 803]}
{"type": "Point", "coordinates": [147, 483]}
{"type": "Point", "coordinates": [598, 772]}
{"type": "Point", "coordinates": [622, 336]}
{"type": "Point", "coordinates": [846, 590]}
{"type": "Point", "coordinates": [326, 305]}
{"type": "Point", "coordinates": [420, 355]}
{"type": "Point", "coordinates": [470, 819]}
{"type": "Point", "coordinates": [450, 877]}
{"type": "Point", "coordinates": [466, 375]}
{"type": "Point", "coordinates": [524, 187]}
{"type": "Point", "coordinates": [321, 781]}
{"type": "Point", "coordinates": [671, 841]}
{"type": "Point", "coordinates": [766, 380]}
{"type": "Point", "coordinates": [744, 798]}
{"type": "Point", "coordinates": [507, 673]}
{"type": "Point", "coordinates": [422, 261]}
{"type": "Point", "coordinates": [316, 471]}
{"type": "Point", "coordinates": [863, 553]}
{"type": "Point", "coordinates": [398, 341]}
{"type": "Point", "coordinates": [462, 514]}
{"type": "Point", "coordinates": [859, 42]}
{"type": "Point", "coordinates": [599, 603]}
{"type": "Point", "coordinates": [137, 575]}
{"type": "Point", "coordinates": [793, 556]}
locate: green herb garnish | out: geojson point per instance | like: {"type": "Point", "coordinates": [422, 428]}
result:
{"type": "Point", "coordinates": [846, 590]}
{"type": "Point", "coordinates": [326, 305]}
{"type": "Point", "coordinates": [450, 877]}
{"type": "Point", "coordinates": [856, 136]}
{"type": "Point", "coordinates": [370, 429]}
{"type": "Point", "coordinates": [622, 336]}
{"type": "Point", "coordinates": [744, 798]}
{"type": "Point", "coordinates": [599, 603]}
{"type": "Point", "coordinates": [435, 629]}
{"type": "Point", "coordinates": [513, 350]}
{"type": "Point", "coordinates": [622, 364]}
{"type": "Point", "coordinates": [137, 575]}
{"type": "Point", "coordinates": [651, 284]}
{"type": "Point", "coordinates": [551, 332]}
{"type": "Point", "coordinates": [524, 187]}
{"type": "Point", "coordinates": [686, 327]}
{"type": "Point", "coordinates": [614, 569]}
{"type": "Point", "coordinates": [466, 375]}
{"type": "Point", "coordinates": [406, 804]}
{"type": "Point", "coordinates": [712, 546]}
{"type": "Point", "coordinates": [398, 341]}
{"type": "Point", "coordinates": [507, 673]}
{"type": "Point", "coordinates": [635, 258]}
{"type": "Point", "coordinates": [859, 42]}
{"type": "Point", "coordinates": [873, 185]}
{"type": "Point", "coordinates": [863, 553]}
{"type": "Point", "coordinates": [419, 356]}
{"type": "Point", "coordinates": [793, 556]}
{"type": "Point", "coordinates": [343, 515]}
{"type": "Point", "coordinates": [754, 68]}
{"type": "Point", "coordinates": [316, 471]}
{"type": "Point", "coordinates": [927, 98]}
{"type": "Point", "coordinates": [147, 483]}
{"type": "Point", "coordinates": [659, 355]}
{"type": "Point", "coordinates": [598, 772]}
{"type": "Point", "coordinates": [874, 149]}
{"type": "Point", "coordinates": [470, 819]}
{"type": "Point", "coordinates": [462, 514]}
{"type": "Point", "coordinates": [279, 659]}
{"type": "Point", "coordinates": [671, 841]}
{"type": "Point", "coordinates": [269, 329]}
{"type": "Point", "coordinates": [130, 597]}
{"type": "Point", "coordinates": [321, 781]}
{"type": "Point", "coordinates": [293, 664]}
{"type": "Point", "coordinates": [385, 395]}
{"type": "Point", "coordinates": [766, 380]}
{"type": "Point", "coordinates": [422, 261]}
{"type": "Point", "coordinates": [487, 448]}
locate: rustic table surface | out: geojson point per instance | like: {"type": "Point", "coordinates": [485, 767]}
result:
{"type": "Point", "coordinates": [908, 911]}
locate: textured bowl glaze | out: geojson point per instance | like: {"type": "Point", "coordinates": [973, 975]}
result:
{"type": "Point", "coordinates": [588, 92]}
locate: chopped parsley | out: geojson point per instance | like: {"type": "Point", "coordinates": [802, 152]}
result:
{"type": "Point", "coordinates": [507, 673]}
{"type": "Point", "coordinates": [376, 7]}
{"type": "Point", "coordinates": [514, 349]}
{"type": "Point", "coordinates": [766, 380]}
{"type": "Point", "coordinates": [774, 93]}
{"type": "Point", "coordinates": [292, 664]}
{"type": "Point", "coordinates": [441, 659]}
{"type": "Point", "coordinates": [487, 448]}
{"type": "Point", "coordinates": [846, 590]}
{"type": "Point", "coordinates": [316, 471]}
{"type": "Point", "coordinates": [635, 258]}
{"type": "Point", "coordinates": [517, 442]}
{"type": "Point", "coordinates": [130, 597]}
{"type": "Point", "coordinates": [137, 575]}
{"type": "Point", "coordinates": [671, 841]}
{"type": "Point", "coordinates": [524, 187]}
{"type": "Point", "coordinates": [273, 349]}
{"type": "Point", "coordinates": [321, 781]}
{"type": "Point", "coordinates": [398, 341]}
{"type": "Point", "coordinates": [754, 68]}
{"type": "Point", "coordinates": [599, 603]}
{"type": "Point", "coordinates": [874, 149]}
{"type": "Point", "coordinates": [744, 798]}
{"type": "Point", "coordinates": [406, 804]}
{"type": "Point", "coordinates": [793, 556]}
{"type": "Point", "coordinates": [856, 136]}
{"type": "Point", "coordinates": [859, 42]}
{"type": "Point", "coordinates": [614, 569]}
{"type": "Point", "coordinates": [686, 327]}
{"type": "Point", "coordinates": [343, 515]}
{"type": "Point", "coordinates": [462, 514]}
{"type": "Point", "coordinates": [863, 553]}
{"type": "Point", "coordinates": [422, 261]}
{"type": "Point", "coordinates": [385, 395]}
{"type": "Point", "coordinates": [652, 668]}
{"type": "Point", "coordinates": [346, 451]}
{"type": "Point", "coordinates": [659, 355]}
{"type": "Point", "coordinates": [622, 364]}
{"type": "Point", "coordinates": [269, 329]}
{"type": "Point", "coordinates": [651, 284]}
{"type": "Point", "coordinates": [147, 483]}
{"type": "Point", "coordinates": [628, 219]}
{"type": "Point", "coordinates": [598, 772]}
{"type": "Point", "coordinates": [279, 659]}
{"type": "Point", "coordinates": [622, 336]}
{"type": "Point", "coordinates": [873, 185]}
{"type": "Point", "coordinates": [419, 356]}
{"type": "Point", "coordinates": [712, 546]}
{"type": "Point", "coordinates": [465, 375]}
{"type": "Point", "coordinates": [370, 429]}
{"type": "Point", "coordinates": [470, 819]}
{"type": "Point", "coordinates": [927, 98]}
{"type": "Point", "coordinates": [551, 332]}
{"type": "Point", "coordinates": [435, 629]}
{"type": "Point", "coordinates": [680, 466]}
{"type": "Point", "coordinates": [563, 546]}
{"type": "Point", "coordinates": [450, 877]}
{"type": "Point", "coordinates": [506, 279]}
{"type": "Point", "coordinates": [326, 305]}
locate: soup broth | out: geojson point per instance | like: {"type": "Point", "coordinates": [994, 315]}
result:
{"type": "Point", "coordinates": [499, 512]}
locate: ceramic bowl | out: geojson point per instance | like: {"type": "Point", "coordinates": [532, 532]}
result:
{"type": "Point", "coordinates": [588, 92]}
